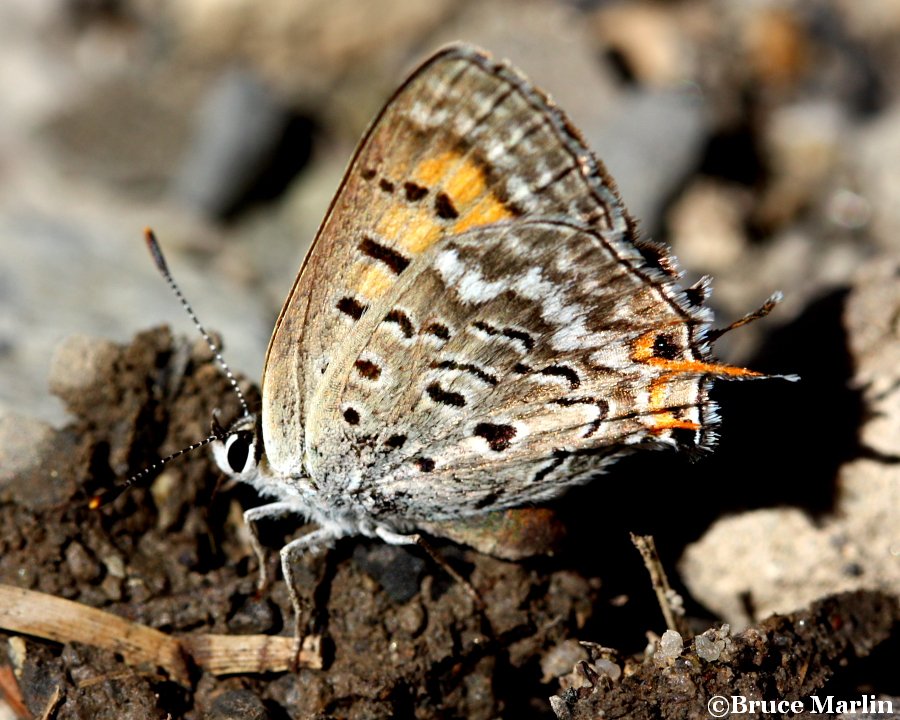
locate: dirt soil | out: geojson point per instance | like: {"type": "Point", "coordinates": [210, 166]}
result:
{"type": "Point", "coordinates": [400, 639]}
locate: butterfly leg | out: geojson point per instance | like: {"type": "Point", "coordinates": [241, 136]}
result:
{"type": "Point", "coordinates": [272, 511]}
{"type": "Point", "coordinates": [290, 553]}
{"type": "Point", "coordinates": [392, 538]}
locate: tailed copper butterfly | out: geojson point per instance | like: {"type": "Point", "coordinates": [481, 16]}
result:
{"type": "Point", "coordinates": [476, 327]}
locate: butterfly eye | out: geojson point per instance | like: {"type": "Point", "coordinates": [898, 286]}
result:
{"type": "Point", "coordinates": [237, 448]}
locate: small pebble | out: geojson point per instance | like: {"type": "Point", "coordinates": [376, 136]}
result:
{"type": "Point", "coordinates": [256, 616]}
{"type": "Point", "coordinates": [81, 564]}
{"type": "Point", "coordinates": [670, 645]}
{"type": "Point", "coordinates": [411, 618]}
{"type": "Point", "coordinates": [708, 649]}
{"type": "Point", "coordinates": [237, 705]}
{"type": "Point", "coordinates": [608, 668]}
{"type": "Point", "coordinates": [560, 659]}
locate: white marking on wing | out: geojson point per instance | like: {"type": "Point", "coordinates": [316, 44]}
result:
{"type": "Point", "coordinates": [468, 282]}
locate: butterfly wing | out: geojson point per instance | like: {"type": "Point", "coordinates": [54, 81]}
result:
{"type": "Point", "coordinates": [507, 362]}
{"type": "Point", "coordinates": [465, 142]}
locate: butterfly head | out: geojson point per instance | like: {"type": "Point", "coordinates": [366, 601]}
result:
{"type": "Point", "coordinates": [238, 451]}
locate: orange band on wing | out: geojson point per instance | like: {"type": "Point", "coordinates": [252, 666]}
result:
{"type": "Point", "coordinates": [642, 352]}
{"type": "Point", "coordinates": [432, 171]}
{"type": "Point", "coordinates": [488, 210]}
{"type": "Point", "coordinates": [464, 183]}
{"type": "Point", "coordinates": [413, 230]}
{"type": "Point", "coordinates": [372, 282]}
{"type": "Point", "coordinates": [661, 418]}
{"type": "Point", "coordinates": [667, 421]}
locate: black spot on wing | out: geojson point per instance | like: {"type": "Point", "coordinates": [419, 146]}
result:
{"type": "Point", "coordinates": [696, 295]}
{"type": "Point", "coordinates": [485, 327]}
{"type": "Point", "coordinates": [368, 369]}
{"type": "Point", "coordinates": [395, 441]}
{"type": "Point", "coordinates": [441, 332]}
{"type": "Point", "coordinates": [521, 336]}
{"type": "Point", "coordinates": [395, 261]}
{"type": "Point", "coordinates": [351, 416]}
{"type": "Point", "coordinates": [351, 307]}
{"type": "Point", "coordinates": [439, 395]}
{"type": "Point", "coordinates": [498, 436]}
{"type": "Point", "coordinates": [414, 191]}
{"type": "Point", "coordinates": [559, 457]}
{"type": "Point", "coordinates": [657, 255]}
{"type": "Point", "coordinates": [426, 465]}
{"type": "Point", "coordinates": [601, 404]}
{"type": "Point", "coordinates": [470, 368]}
{"type": "Point", "coordinates": [685, 438]}
{"type": "Point", "coordinates": [563, 372]}
{"type": "Point", "coordinates": [386, 185]}
{"type": "Point", "coordinates": [664, 347]}
{"type": "Point", "coordinates": [507, 332]}
{"type": "Point", "coordinates": [487, 500]}
{"type": "Point", "coordinates": [444, 207]}
{"type": "Point", "coordinates": [402, 320]}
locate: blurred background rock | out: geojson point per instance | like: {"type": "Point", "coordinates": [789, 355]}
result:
{"type": "Point", "coordinates": [760, 138]}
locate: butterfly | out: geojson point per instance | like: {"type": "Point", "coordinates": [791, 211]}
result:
{"type": "Point", "coordinates": [476, 327]}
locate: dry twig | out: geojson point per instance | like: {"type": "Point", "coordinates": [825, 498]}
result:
{"type": "Point", "coordinates": [52, 618]}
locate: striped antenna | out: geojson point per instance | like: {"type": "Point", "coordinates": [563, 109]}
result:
{"type": "Point", "coordinates": [163, 268]}
{"type": "Point", "coordinates": [107, 496]}
{"type": "Point", "coordinates": [217, 432]}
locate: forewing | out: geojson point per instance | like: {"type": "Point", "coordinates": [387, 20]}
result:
{"type": "Point", "coordinates": [508, 362]}
{"type": "Point", "coordinates": [465, 142]}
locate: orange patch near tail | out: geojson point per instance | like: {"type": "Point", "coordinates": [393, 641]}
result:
{"type": "Point", "coordinates": [642, 352]}
{"type": "Point", "coordinates": [667, 421]}
{"type": "Point", "coordinates": [662, 418]}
